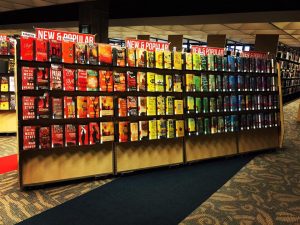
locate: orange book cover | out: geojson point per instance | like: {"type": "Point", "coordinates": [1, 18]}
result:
{"type": "Point", "coordinates": [67, 52]}
{"type": "Point", "coordinates": [81, 106]}
{"type": "Point", "coordinates": [123, 131]}
{"type": "Point", "coordinates": [122, 105]}
{"type": "Point", "coordinates": [106, 80]}
{"type": "Point", "coordinates": [92, 106]}
{"type": "Point", "coordinates": [106, 106]}
{"type": "Point", "coordinates": [119, 81]}
{"type": "Point", "coordinates": [105, 54]}
{"type": "Point", "coordinates": [107, 131]}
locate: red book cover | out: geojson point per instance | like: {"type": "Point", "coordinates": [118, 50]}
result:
{"type": "Point", "coordinates": [69, 107]}
{"type": "Point", "coordinates": [81, 106]}
{"type": "Point", "coordinates": [106, 80]}
{"type": "Point", "coordinates": [44, 137]}
{"type": "Point", "coordinates": [106, 105]}
{"type": "Point", "coordinates": [4, 45]}
{"type": "Point", "coordinates": [43, 107]}
{"type": "Point", "coordinates": [41, 50]}
{"type": "Point", "coordinates": [123, 131]}
{"type": "Point", "coordinates": [67, 52]}
{"type": "Point", "coordinates": [42, 74]}
{"type": "Point", "coordinates": [55, 51]}
{"type": "Point", "coordinates": [92, 80]}
{"type": "Point", "coordinates": [12, 43]}
{"type": "Point", "coordinates": [28, 78]}
{"type": "Point", "coordinates": [80, 53]}
{"type": "Point", "coordinates": [92, 53]}
{"type": "Point", "coordinates": [57, 108]}
{"type": "Point", "coordinates": [122, 106]}
{"type": "Point", "coordinates": [119, 82]}
{"type": "Point", "coordinates": [130, 57]}
{"type": "Point", "coordinates": [105, 54]}
{"type": "Point", "coordinates": [83, 136]}
{"type": "Point", "coordinates": [57, 136]}
{"type": "Point", "coordinates": [107, 131]}
{"type": "Point", "coordinates": [81, 84]}
{"type": "Point", "coordinates": [55, 77]}
{"type": "Point", "coordinates": [131, 81]}
{"type": "Point", "coordinates": [70, 135]}
{"type": "Point", "coordinates": [93, 107]}
{"type": "Point", "coordinates": [69, 79]}
{"type": "Point", "coordinates": [28, 107]}
{"type": "Point", "coordinates": [94, 133]}
{"type": "Point", "coordinates": [26, 48]}
{"type": "Point", "coordinates": [29, 137]}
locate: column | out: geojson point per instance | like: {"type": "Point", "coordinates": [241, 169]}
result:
{"type": "Point", "coordinates": [216, 40]}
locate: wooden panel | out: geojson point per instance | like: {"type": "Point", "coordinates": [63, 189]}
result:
{"type": "Point", "coordinates": [54, 166]}
{"type": "Point", "coordinates": [218, 40]}
{"type": "Point", "coordinates": [298, 118]}
{"type": "Point", "coordinates": [266, 43]}
{"type": "Point", "coordinates": [133, 156]}
{"type": "Point", "coordinates": [258, 139]}
{"type": "Point", "coordinates": [8, 122]}
{"type": "Point", "coordinates": [175, 41]}
{"type": "Point", "coordinates": [143, 37]}
{"type": "Point", "coordinates": [281, 114]}
{"type": "Point", "coordinates": [204, 147]}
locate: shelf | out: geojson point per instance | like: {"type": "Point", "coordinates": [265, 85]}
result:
{"type": "Point", "coordinates": [291, 78]}
{"type": "Point", "coordinates": [141, 118]}
{"type": "Point", "coordinates": [7, 92]}
{"type": "Point", "coordinates": [61, 93]}
{"type": "Point", "coordinates": [292, 86]}
{"type": "Point", "coordinates": [147, 140]}
{"type": "Point", "coordinates": [9, 110]}
{"type": "Point", "coordinates": [286, 60]}
{"type": "Point", "coordinates": [7, 74]}
{"type": "Point", "coordinates": [7, 56]}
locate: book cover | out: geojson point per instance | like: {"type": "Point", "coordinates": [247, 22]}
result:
{"type": "Point", "coordinates": [219, 104]}
{"type": "Point", "coordinates": [152, 130]}
{"type": "Point", "coordinates": [80, 53]}
{"type": "Point", "coordinates": [169, 83]}
{"type": "Point", "coordinates": [69, 107]}
{"type": "Point", "coordinates": [4, 84]}
{"type": "Point", "coordinates": [92, 80]}
{"type": "Point", "coordinates": [151, 82]}
{"type": "Point", "coordinates": [57, 136]}
{"type": "Point", "coordinates": [143, 130]}
{"type": "Point", "coordinates": [83, 136]}
{"type": "Point", "coordinates": [4, 45]}
{"type": "Point", "coordinates": [28, 78]}
{"type": "Point", "coordinates": [119, 81]}
{"type": "Point", "coordinates": [219, 83]}
{"type": "Point", "coordinates": [123, 131]}
{"type": "Point", "coordinates": [55, 51]}
{"type": "Point", "coordinates": [161, 129]}
{"type": "Point", "coordinates": [43, 107]}
{"type": "Point", "coordinates": [177, 83]}
{"type": "Point", "coordinates": [141, 81]}
{"type": "Point", "coordinates": [167, 59]}
{"type": "Point", "coordinates": [205, 105]}
{"type": "Point", "coordinates": [151, 105]}
{"type": "Point", "coordinates": [44, 138]}
{"type": "Point", "coordinates": [179, 128]}
{"type": "Point", "coordinates": [4, 102]}
{"type": "Point", "coordinates": [159, 83]}
{"type": "Point", "coordinates": [177, 60]}
{"type": "Point", "coordinates": [197, 82]}
{"type": "Point", "coordinates": [28, 107]}
{"type": "Point", "coordinates": [150, 59]}
{"type": "Point", "coordinates": [196, 61]}
{"type": "Point", "coordinates": [105, 54]}
{"type": "Point", "coordinates": [241, 102]}
{"type": "Point", "coordinates": [231, 63]}
{"type": "Point", "coordinates": [191, 126]}
{"type": "Point", "coordinates": [221, 126]}
{"type": "Point", "coordinates": [203, 65]}
{"type": "Point", "coordinates": [70, 135]}
{"type": "Point", "coordinates": [12, 102]}
{"type": "Point", "coordinates": [170, 128]}
{"type": "Point", "coordinates": [188, 61]}
{"type": "Point", "coordinates": [81, 106]}
{"type": "Point", "coordinates": [107, 106]}
{"type": "Point", "coordinates": [199, 126]}
{"type": "Point", "coordinates": [92, 106]}
{"type": "Point", "coordinates": [29, 137]}
{"type": "Point", "coordinates": [81, 80]}
{"type": "Point", "coordinates": [161, 109]}
{"type": "Point", "coordinates": [189, 83]}
{"type": "Point", "coordinates": [107, 131]}
{"type": "Point", "coordinates": [41, 50]}
{"type": "Point", "coordinates": [141, 56]}
{"type": "Point", "coordinates": [211, 83]}
{"type": "Point", "coordinates": [12, 43]}
{"type": "Point", "coordinates": [190, 104]}
{"type": "Point", "coordinates": [130, 57]}
{"type": "Point", "coordinates": [106, 80]}
{"type": "Point", "coordinates": [225, 83]}
{"type": "Point", "coordinates": [142, 105]}
{"type": "Point", "coordinates": [226, 103]}
{"type": "Point", "coordinates": [233, 103]}
{"type": "Point", "coordinates": [94, 133]}
{"type": "Point", "coordinates": [69, 79]}
{"type": "Point", "coordinates": [159, 59]}
{"type": "Point", "coordinates": [198, 105]}
{"type": "Point", "coordinates": [132, 108]}
{"type": "Point", "coordinates": [119, 55]}
{"type": "Point", "coordinates": [134, 131]}
{"type": "Point", "coordinates": [210, 62]}
{"type": "Point", "coordinates": [170, 105]}
{"type": "Point", "coordinates": [204, 83]}
{"type": "Point", "coordinates": [68, 52]}
{"type": "Point", "coordinates": [206, 127]}
{"type": "Point", "coordinates": [239, 64]}
{"type": "Point", "coordinates": [212, 105]}
{"type": "Point", "coordinates": [131, 81]}
{"type": "Point", "coordinates": [232, 84]}
{"type": "Point", "coordinates": [57, 108]}
{"type": "Point", "coordinates": [26, 48]}
{"type": "Point", "coordinates": [178, 106]}
{"type": "Point", "coordinates": [12, 86]}
{"type": "Point", "coordinates": [92, 53]}
{"type": "Point", "coordinates": [218, 63]}
{"type": "Point", "coordinates": [55, 77]}
{"type": "Point", "coordinates": [42, 76]}
{"type": "Point", "coordinates": [122, 107]}
{"type": "Point", "coordinates": [214, 125]}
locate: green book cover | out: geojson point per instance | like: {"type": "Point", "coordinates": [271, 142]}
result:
{"type": "Point", "coordinates": [214, 125]}
{"type": "Point", "coordinates": [211, 83]}
{"type": "Point", "coordinates": [205, 105]}
{"type": "Point", "coordinates": [196, 61]}
{"type": "Point", "coordinates": [224, 63]}
{"type": "Point", "coordinates": [220, 124]}
{"type": "Point", "coordinates": [198, 105]}
{"type": "Point", "coordinates": [219, 62]}
{"type": "Point", "coordinates": [210, 62]}
{"type": "Point", "coordinates": [191, 125]}
{"type": "Point", "coordinates": [190, 104]}
{"type": "Point", "coordinates": [206, 126]}
{"type": "Point", "coordinates": [204, 83]}
{"type": "Point", "coordinates": [197, 82]}
{"type": "Point", "coordinates": [212, 105]}
{"type": "Point", "coordinates": [199, 125]}
{"type": "Point", "coordinates": [203, 62]}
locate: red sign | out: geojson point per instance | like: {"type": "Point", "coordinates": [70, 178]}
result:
{"type": "Point", "coordinates": [148, 45]}
{"type": "Point", "coordinates": [207, 50]}
{"type": "Point", "coordinates": [58, 35]}
{"type": "Point", "coordinates": [254, 54]}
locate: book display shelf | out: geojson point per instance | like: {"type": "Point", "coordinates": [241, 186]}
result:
{"type": "Point", "coordinates": [88, 110]}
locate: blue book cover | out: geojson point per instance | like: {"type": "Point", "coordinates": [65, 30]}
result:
{"type": "Point", "coordinates": [232, 83]}
{"type": "Point", "coordinates": [233, 103]}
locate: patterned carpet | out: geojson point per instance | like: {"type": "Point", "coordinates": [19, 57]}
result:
{"type": "Point", "coordinates": [266, 191]}
{"type": "Point", "coordinates": [8, 145]}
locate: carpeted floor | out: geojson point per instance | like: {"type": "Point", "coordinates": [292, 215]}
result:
{"type": "Point", "coordinates": [8, 145]}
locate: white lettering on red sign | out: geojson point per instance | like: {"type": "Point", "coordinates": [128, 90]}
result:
{"type": "Point", "coordinates": [148, 45]}
{"type": "Point", "coordinates": [207, 50]}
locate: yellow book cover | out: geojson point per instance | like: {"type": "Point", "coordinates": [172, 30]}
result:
{"type": "Point", "coordinates": [107, 131]}
{"type": "Point", "coordinates": [190, 104]}
{"type": "Point", "coordinates": [161, 107]}
{"type": "Point", "coordinates": [191, 125]}
{"type": "Point", "coordinates": [159, 59]}
{"type": "Point", "coordinates": [161, 129]}
{"type": "Point", "coordinates": [188, 61]}
{"type": "Point", "coordinates": [196, 61]}
{"type": "Point", "coordinates": [106, 105]}
{"type": "Point", "coordinates": [159, 83]}
{"type": "Point", "coordinates": [177, 61]}
{"type": "Point", "coordinates": [177, 83]}
{"type": "Point", "coordinates": [179, 128]}
{"type": "Point", "coordinates": [167, 59]}
{"type": "Point", "coordinates": [152, 130]}
{"type": "Point", "coordinates": [170, 128]}
{"type": "Point", "coordinates": [134, 131]}
{"type": "Point", "coordinates": [189, 82]}
{"type": "Point", "coordinates": [4, 84]}
{"type": "Point", "coordinates": [170, 105]}
{"type": "Point", "coordinates": [178, 106]}
{"type": "Point", "coordinates": [4, 103]}
{"type": "Point", "coordinates": [151, 82]}
{"type": "Point", "coordinates": [151, 105]}
{"type": "Point", "coordinates": [169, 83]}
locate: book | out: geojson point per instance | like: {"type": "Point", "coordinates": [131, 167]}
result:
{"type": "Point", "coordinates": [119, 81]}
{"type": "Point", "coordinates": [219, 83]}
{"type": "Point", "coordinates": [152, 130]}
{"type": "Point", "coordinates": [205, 105]}
{"type": "Point", "coordinates": [211, 83]}
{"type": "Point", "coordinates": [199, 125]}
{"type": "Point", "coordinates": [55, 51]}
{"type": "Point", "coordinates": [178, 106]}
{"type": "Point", "coordinates": [55, 77]}
{"type": "Point", "coordinates": [161, 105]}
{"type": "Point", "coordinates": [210, 62]}
{"type": "Point", "coordinates": [169, 83]}
{"type": "Point", "coordinates": [212, 105]}
{"type": "Point", "coordinates": [190, 104]}
{"type": "Point", "coordinates": [167, 59]}
{"type": "Point", "coordinates": [123, 131]}
{"type": "Point", "coordinates": [69, 79]}
{"type": "Point", "coordinates": [232, 85]}
{"type": "Point", "coordinates": [92, 106]}
{"type": "Point", "coordinates": [204, 83]}
{"type": "Point", "coordinates": [179, 128]}
{"type": "Point", "coordinates": [92, 80]}
{"type": "Point", "coordinates": [191, 126]}
{"type": "Point", "coordinates": [197, 82]}
{"type": "Point", "coordinates": [70, 135]}
{"type": "Point", "coordinates": [12, 102]}
{"type": "Point", "coordinates": [206, 126]}
{"type": "Point", "coordinates": [203, 65]}
{"type": "Point", "coordinates": [177, 60]}
{"type": "Point", "coordinates": [130, 57]}
{"type": "Point", "coordinates": [170, 105]}
{"type": "Point", "coordinates": [28, 75]}
{"type": "Point", "coordinates": [26, 48]}
{"type": "Point", "coordinates": [241, 102]}
{"type": "Point", "coordinates": [170, 128]}
{"type": "Point", "coordinates": [29, 137]}
{"type": "Point", "coordinates": [11, 66]}
{"type": "Point", "coordinates": [188, 61]}
{"type": "Point", "coordinates": [159, 59]}
{"type": "Point", "coordinates": [105, 80]}
{"type": "Point", "coordinates": [57, 136]}
{"type": "Point", "coordinates": [141, 56]}
{"type": "Point", "coordinates": [134, 131]}
{"type": "Point", "coordinates": [142, 105]}
{"type": "Point", "coordinates": [68, 52]}
{"type": "Point", "coordinates": [107, 105]}
{"type": "Point", "coordinates": [218, 63]}
{"type": "Point", "coordinates": [105, 54]}
{"type": "Point", "coordinates": [189, 83]}
{"type": "Point", "coordinates": [219, 103]}
{"type": "Point", "coordinates": [81, 106]}
{"type": "Point", "coordinates": [44, 138]}
{"type": "Point", "coordinates": [57, 108]}
{"type": "Point", "coordinates": [226, 103]}
{"type": "Point", "coordinates": [4, 84]}
{"type": "Point", "coordinates": [69, 107]}
{"type": "Point", "coordinates": [119, 57]}
{"type": "Point", "coordinates": [107, 131]}
{"type": "Point", "coordinates": [159, 83]}
{"type": "Point", "coordinates": [141, 81]}
{"type": "Point", "coordinates": [150, 59]}
{"type": "Point", "coordinates": [4, 45]}
{"type": "Point", "coordinates": [198, 105]}
{"type": "Point", "coordinates": [43, 107]}
{"type": "Point", "coordinates": [151, 82]}
{"type": "Point", "coordinates": [41, 50]}
{"type": "Point", "coordinates": [42, 78]}
{"type": "Point", "coordinates": [161, 129]}
{"type": "Point", "coordinates": [225, 83]}
{"type": "Point", "coordinates": [81, 80]}
{"type": "Point", "coordinates": [80, 53]}
{"type": "Point", "coordinates": [214, 125]}
{"type": "Point", "coordinates": [4, 102]}
{"type": "Point", "coordinates": [233, 103]}
{"type": "Point", "coordinates": [143, 130]}
{"type": "Point", "coordinates": [231, 63]}
{"type": "Point", "coordinates": [131, 81]}
{"type": "Point", "coordinates": [177, 83]}
{"type": "Point", "coordinates": [221, 125]}
{"type": "Point", "coordinates": [92, 53]}
{"type": "Point", "coordinates": [83, 136]}
{"type": "Point", "coordinates": [28, 107]}
{"type": "Point", "coordinates": [196, 61]}
{"type": "Point", "coordinates": [122, 107]}
{"type": "Point", "coordinates": [94, 133]}
{"type": "Point", "coordinates": [132, 108]}
{"type": "Point", "coordinates": [151, 105]}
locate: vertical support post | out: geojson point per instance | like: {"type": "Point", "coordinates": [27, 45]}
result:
{"type": "Point", "coordinates": [175, 41]}
{"type": "Point", "coordinates": [216, 40]}
{"type": "Point", "coordinates": [143, 37]}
